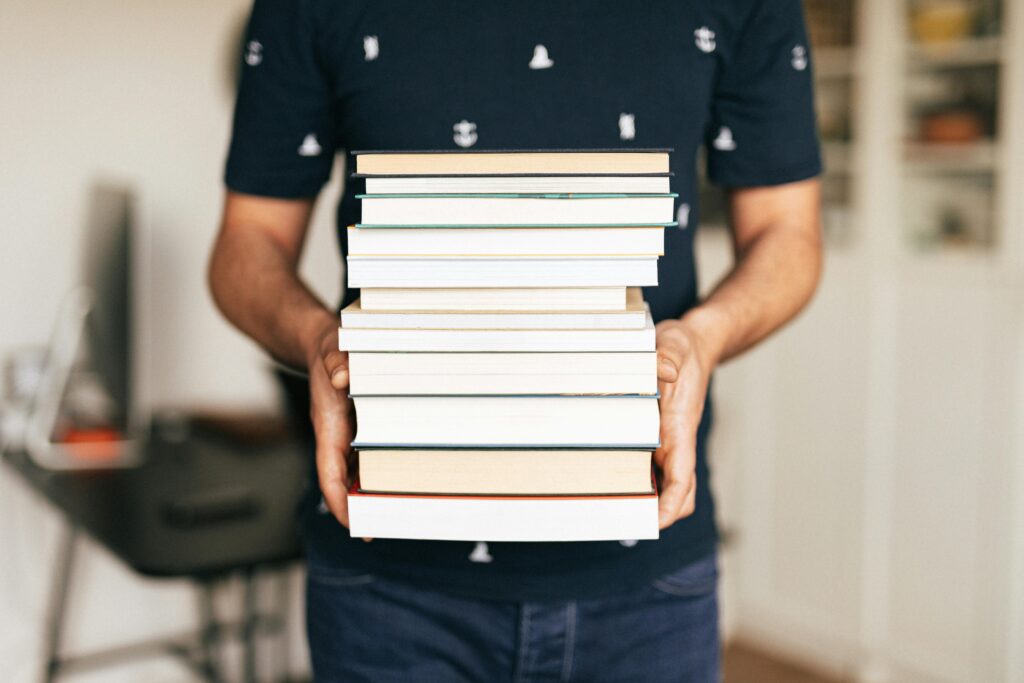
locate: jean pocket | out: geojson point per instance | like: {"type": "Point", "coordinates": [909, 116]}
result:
{"type": "Point", "coordinates": [690, 581]}
{"type": "Point", "coordinates": [337, 576]}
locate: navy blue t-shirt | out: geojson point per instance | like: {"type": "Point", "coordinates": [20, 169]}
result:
{"type": "Point", "coordinates": [324, 76]}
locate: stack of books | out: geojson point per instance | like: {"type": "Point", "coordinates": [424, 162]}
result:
{"type": "Point", "coordinates": [502, 360]}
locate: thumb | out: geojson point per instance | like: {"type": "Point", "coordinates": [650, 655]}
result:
{"type": "Point", "coordinates": [336, 366]}
{"type": "Point", "coordinates": [668, 370]}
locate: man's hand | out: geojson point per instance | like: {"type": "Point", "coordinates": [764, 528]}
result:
{"type": "Point", "coordinates": [685, 362]}
{"type": "Point", "coordinates": [333, 419]}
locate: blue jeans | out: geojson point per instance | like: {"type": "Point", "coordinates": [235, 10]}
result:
{"type": "Point", "coordinates": [367, 628]}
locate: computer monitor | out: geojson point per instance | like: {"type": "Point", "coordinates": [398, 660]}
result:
{"type": "Point", "coordinates": [94, 337]}
{"type": "Point", "coordinates": [107, 273]}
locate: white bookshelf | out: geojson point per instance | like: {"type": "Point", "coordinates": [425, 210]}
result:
{"type": "Point", "coordinates": [874, 451]}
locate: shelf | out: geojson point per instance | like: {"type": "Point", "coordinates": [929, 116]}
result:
{"type": "Point", "coordinates": [954, 54]}
{"type": "Point", "coordinates": [971, 266]}
{"type": "Point", "coordinates": [979, 157]}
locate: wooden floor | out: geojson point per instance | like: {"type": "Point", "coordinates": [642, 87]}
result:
{"type": "Point", "coordinates": [745, 664]}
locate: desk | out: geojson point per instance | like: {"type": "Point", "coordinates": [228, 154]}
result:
{"type": "Point", "coordinates": [202, 508]}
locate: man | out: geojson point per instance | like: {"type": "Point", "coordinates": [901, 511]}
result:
{"type": "Point", "coordinates": [322, 76]}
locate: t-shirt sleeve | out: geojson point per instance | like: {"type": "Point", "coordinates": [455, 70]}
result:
{"type": "Point", "coordinates": [763, 130]}
{"type": "Point", "coordinates": [283, 138]}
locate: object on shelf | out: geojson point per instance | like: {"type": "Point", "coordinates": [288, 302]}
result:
{"type": "Point", "coordinates": [951, 210]}
{"type": "Point", "coordinates": [942, 21]}
{"type": "Point", "coordinates": [953, 228]}
{"type": "Point", "coordinates": [953, 106]}
{"type": "Point", "coordinates": [952, 127]}
{"type": "Point", "coordinates": [969, 52]}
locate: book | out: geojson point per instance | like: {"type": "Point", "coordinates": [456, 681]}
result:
{"type": "Point", "coordinates": [472, 241]}
{"type": "Point", "coordinates": [633, 317]}
{"type": "Point", "coordinates": [494, 271]}
{"type": "Point", "coordinates": [502, 360]}
{"type": "Point", "coordinates": [410, 374]}
{"type": "Point", "coordinates": [516, 210]}
{"type": "Point", "coordinates": [503, 421]}
{"type": "Point", "coordinates": [519, 184]}
{"type": "Point", "coordinates": [486, 162]}
{"type": "Point", "coordinates": [494, 299]}
{"type": "Point", "coordinates": [505, 472]}
{"type": "Point", "coordinates": [472, 518]}
{"type": "Point", "coordinates": [452, 340]}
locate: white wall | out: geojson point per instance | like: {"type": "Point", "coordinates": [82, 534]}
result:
{"type": "Point", "coordinates": [139, 92]}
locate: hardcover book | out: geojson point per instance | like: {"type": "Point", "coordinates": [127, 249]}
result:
{"type": "Point", "coordinates": [508, 518]}
{"type": "Point", "coordinates": [423, 374]}
{"type": "Point", "coordinates": [508, 472]}
{"type": "Point", "coordinates": [490, 162]}
{"type": "Point", "coordinates": [633, 317]}
{"type": "Point", "coordinates": [613, 422]}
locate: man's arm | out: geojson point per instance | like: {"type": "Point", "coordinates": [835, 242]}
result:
{"type": "Point", "coordinates": [778, 255]}
{"type": "Point", "coordinates": [253, 276]}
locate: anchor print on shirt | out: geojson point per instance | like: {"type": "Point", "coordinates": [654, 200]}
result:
{"type": "Point", "coordinates": [704, 38]}
{"type": "Point", "coordinates": [310, 146]}
{"type": "Point", "coordinates": [627, 126]}
{"type": "Point", "coordinates": [799, 61]}
{"type": "Point", "coordinates": [724, 142]}
{"type": "Point", "coordinates": [541, 60]}
{"type": "Point", "coordinates": [481, 553]}
{"type": "Point", "coordinates": [683, 216]}
{"type": "Point", "coordinates": [465, 133]}
{"type": "Point", "coordinates": [371, 48]}
{"type": "Point", "coordinates": [254, 53]}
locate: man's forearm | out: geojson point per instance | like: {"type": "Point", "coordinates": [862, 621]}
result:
{"type": "Point", "coordinates": [255, 285]}
{"type": "Point", "coordinates": [774, 277]}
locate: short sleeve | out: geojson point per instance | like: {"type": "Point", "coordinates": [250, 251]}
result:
{"type": "Point", "coordinates": [763, 129]}
{"type": "Point", "coordinates": [282, 141]}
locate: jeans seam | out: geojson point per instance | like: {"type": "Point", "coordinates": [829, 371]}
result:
{"type": "Point", "coordinates": [524, 644]}
{"type": "Point", "coordinates": [570, 641]}
{"type": "Point", "coordinates": [691, 591]}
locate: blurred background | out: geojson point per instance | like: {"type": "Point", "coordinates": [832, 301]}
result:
{"type": "Point", "coordinates": [869, 461]}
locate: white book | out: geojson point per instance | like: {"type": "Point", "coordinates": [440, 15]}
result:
{"type": "Point", "coordinates": [507, 421]}
{"type": "Point", "coordinates": [355, 339]}
{"type": "Point", "coordinates": [551, 210]}
{"type": "Point", "coordinates": [494, 299]}
{"type": "Point", "coordinates": [634, 317]}
{"type": "Point", "coordinates": [594, 518]}
{"type": "Point", "coordinates": [505, 472]}
{"type": "Point", "coordinates": [506, 241]}
{"type": "Point", "coordinates": [418, 271]}
{"type": "Point", "coordinates": [522, 184]}
{"type": "Point", "coordinates": [409, 374]}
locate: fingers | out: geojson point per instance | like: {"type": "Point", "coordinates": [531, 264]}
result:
{"type": "Point", "coordinates": [668, 370]}
{"type": "Point", "coordinates": [330, 412]}
{"type": "Point", "coordinates": [677, 460]}
{"type": "Point", "coordinates": [672, 352]}
{"type": "Point", "coordinates": [336, 365]}
{"type": "Point", "coordinates": [333, 474]}
{"type": "Point", "coordinates": [670, 501]}
{"type": "Point", "coordinates": [677, 499]}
